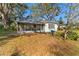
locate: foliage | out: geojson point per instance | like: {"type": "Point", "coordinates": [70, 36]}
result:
{"type": "Point", "coordinates": [72, 14]}
{"type": "Point", "coordinates": [58, 34]}
{"type": "Point", "coordinates": [46, 10]}
{"type": "Point", "coordinates": [1, 27]}
{"type": "Point", "coordinates": [9, 10]}
{"type": "Point", "coordinates": [72, 35]}
{"type": "Point", "coordinates": [10, 29]}
{"type": "Point", "coordinates": [61, 21]}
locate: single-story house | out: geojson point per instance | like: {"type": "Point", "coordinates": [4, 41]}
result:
{"type": "Point", "coordinates": [36, 26]}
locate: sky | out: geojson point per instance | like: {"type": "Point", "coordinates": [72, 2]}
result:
{"type": "Point", "coordinates": [62, 14]}
{"type": "Point", "coordinates": [63, 9]}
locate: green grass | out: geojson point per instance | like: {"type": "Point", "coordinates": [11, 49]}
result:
{"type": "Point", "coordinates": [77, 31]}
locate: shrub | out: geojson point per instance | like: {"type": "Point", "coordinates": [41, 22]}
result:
{"type": "Point", "coordinates": [72, 35]}
{"type": "Point", "coordinates": [1, 28]}
{"type": "Point", "coordinates": [59, 34]}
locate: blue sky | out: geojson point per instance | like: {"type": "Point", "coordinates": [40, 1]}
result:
{"type": "Point", "coordinates": [62, 14]}
{"type": "Point", "coordinates": [62, 6]}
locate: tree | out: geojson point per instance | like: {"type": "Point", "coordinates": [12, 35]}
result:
{"type": "Point", "coordinates": [46, 10]}
{"type": "Point", "coordinates": [9, 9]}
{"type": "Point", "coordinates": [71, 15]}
{"type": "Point", "coordinates": [61, 22]}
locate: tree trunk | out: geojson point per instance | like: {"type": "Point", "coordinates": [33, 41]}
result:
{"type": "Point", "coordinates": [66, 30]}
{"type": "Point", "coordinates": [4, 18]}
{"type": "Point", "coordinates": [65, 34]}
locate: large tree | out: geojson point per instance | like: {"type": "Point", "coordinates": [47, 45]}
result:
{"type": "Point", "coordinates": [46, 10]}
{"type": "Point", "coordinates": [9, 9]}
{"type": "Point", "coordinates": [71, 15]}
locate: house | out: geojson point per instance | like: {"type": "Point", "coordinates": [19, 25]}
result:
{"type": "Point", "coordinates": [36, 26]}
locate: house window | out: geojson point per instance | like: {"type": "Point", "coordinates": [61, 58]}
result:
{"type": "Point", "coordinates": [51, 25]}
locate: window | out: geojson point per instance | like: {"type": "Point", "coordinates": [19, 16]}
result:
{"type": "Point", "coordinates": [51, 25]}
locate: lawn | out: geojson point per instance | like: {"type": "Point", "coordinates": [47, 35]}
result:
{"type": "Point", "coordinates": [38, 44]}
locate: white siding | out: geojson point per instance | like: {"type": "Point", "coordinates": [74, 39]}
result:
{"type": "Point", "coordinates": [56, 27]}
{"type": "Point", "coordinates": [46, 27]}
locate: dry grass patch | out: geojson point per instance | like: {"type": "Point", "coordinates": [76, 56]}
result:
{"type": "Point", "coordinates": [39, 45]}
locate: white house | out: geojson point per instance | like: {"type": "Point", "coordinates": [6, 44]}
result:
{"type": "Point", "coordinates": [40, 26]}
{"type": "Point", "coordinates": [50, 26]}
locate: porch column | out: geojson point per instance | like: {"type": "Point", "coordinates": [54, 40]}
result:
{"type": "Point", "coordinates": [17, 27]}
{"type": "Point", "coordinates": [20, 29]}
{"type": "Point", "coordinates": [42, 27]}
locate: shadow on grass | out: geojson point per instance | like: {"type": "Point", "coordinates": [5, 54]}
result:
{"type": "Point", "coordinates": [4, 39]}
{"type": "Point", "coordinates": [15, 54]}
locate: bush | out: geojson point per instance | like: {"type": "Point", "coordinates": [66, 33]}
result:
{"type": "Point", "coordinates": [1, 30]}
{"type": "Point", "coordinates": [1, 27]}
{"type": "Point", "coordinates": [59, 34]}
{"type": "Point", "coordinates": [72, 35]}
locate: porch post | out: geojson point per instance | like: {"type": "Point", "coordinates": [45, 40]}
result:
{"type": "Point", "coordinates": [17, 27]}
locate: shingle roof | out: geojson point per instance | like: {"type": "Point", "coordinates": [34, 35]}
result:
{"type": "Point", "coordinates": [36, 20]}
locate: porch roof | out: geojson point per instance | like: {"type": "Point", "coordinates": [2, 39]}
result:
{"type": "Point", "coordinates": [27, 22]}
{"type": "Point", "coordinates": [36, 21]}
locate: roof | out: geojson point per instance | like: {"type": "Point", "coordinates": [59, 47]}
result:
{"type": "Point", "coordinates": [30, 22]}
{"type": "Point", "coordinates": [36, 20]}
